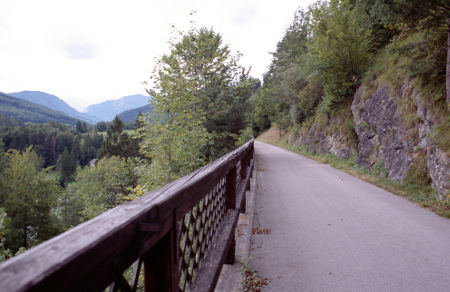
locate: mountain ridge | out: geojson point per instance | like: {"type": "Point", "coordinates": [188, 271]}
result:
{"type": "Point", "coordinates": [107, 110]}
{"type": "Point", "coordinates": [130, 116]}
{"type": "Point", "coordinates": [53, 102]}
{"type": "Point", "coordinates": [27, 111]}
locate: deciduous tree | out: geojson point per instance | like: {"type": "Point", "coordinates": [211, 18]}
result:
{"type": "Point", "coordinates": [28, 197]}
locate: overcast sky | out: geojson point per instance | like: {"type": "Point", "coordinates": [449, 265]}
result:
{"type": "Point", "coordinates": [88, 51]}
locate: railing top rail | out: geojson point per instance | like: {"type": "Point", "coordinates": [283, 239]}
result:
{"type": "Point", "coordinates": [115, 238]}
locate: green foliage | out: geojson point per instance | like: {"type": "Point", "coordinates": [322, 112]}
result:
{"type": "Point", "coordinates": [5, 253]}
{"type": "Point", "coordinates": [7, 123]}
{"type": "Point", "coordinates": [118, 142]}
{"type": "Point", "coordinates": [199, 104]}
{"type": "Point", "coordinates": [418, 178]}
{"type": "Point", "coordinates": [102, 126]}
{"type": "Point", "coordinates": [317, 65]}
{"type": "Point", "coordinates": [263, 111]}
{"type": "Point", "coordinates": [440, 135]}
{"type": "Point", "coordinates": [97, 189]}
{"type": "Point", "coordinates": [245, 136]}
{"type": "Point", "coordinates": [380, 19]}
{"type": "Point", "coordinates": [81, 127]}
{"type": "Point", "coordinates": [341, 46]}
{"type": "Point", "coordinates": [310, 96]}
{"type": "Point", "coordinates": [287, 76]}
{"type": "Point", "coordinates": [50, 140]}
{"type": "Point", "coordinates": [28, 197]}
{"type": "Point", "coordinates": [66, 165]}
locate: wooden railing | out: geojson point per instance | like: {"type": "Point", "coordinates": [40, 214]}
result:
{"type": "Point", "coordinates": [181, 234]}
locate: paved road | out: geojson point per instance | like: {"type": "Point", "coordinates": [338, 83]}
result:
{"type": "Point", "coordinates": [329, 231]}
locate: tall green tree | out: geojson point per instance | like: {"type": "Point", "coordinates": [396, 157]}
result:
{"type": "Point", "coordinates": [118, 142]}
{"type": "Point", "coordinates": [341, 47]}
{"type": "Point", "coordinates": [28, 197]}
{"type": "Point", "coordinates": [66, 166]}
{"type": "Point", "coordinates": [196, 88]}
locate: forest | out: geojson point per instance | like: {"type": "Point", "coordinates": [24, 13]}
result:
{"type": "Point", "coordinates": [205, 104]}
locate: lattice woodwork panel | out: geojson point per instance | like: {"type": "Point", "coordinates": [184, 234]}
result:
{"type": "Point", "coordinates": [198, 228]}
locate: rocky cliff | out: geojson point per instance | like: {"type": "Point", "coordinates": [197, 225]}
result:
{"type": "Point", "coordinates": [393, 128]}
{"type": "Point", "coordinates": [389, 127]}
{"type": "Point", "coordinates": [333, 134]}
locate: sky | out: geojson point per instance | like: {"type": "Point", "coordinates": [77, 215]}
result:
{"type": "Point", "coordinates": [88, 51]}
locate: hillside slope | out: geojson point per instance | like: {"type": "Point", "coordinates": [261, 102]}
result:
{"type": "Point", "coordinates": [30, 112]}
{"type": "Point", "coordinates": [130, 116]}
{"type": "Point", "coordinates": [107, 110]}
{"type": "Point", "coordinates": [52, 102]}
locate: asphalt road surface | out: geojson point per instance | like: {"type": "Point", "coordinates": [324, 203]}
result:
{"type": "Point", "coordinates": [324, 230]}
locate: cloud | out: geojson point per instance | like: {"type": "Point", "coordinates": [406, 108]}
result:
{"type": "Point", "coordinates": [77, 48]}
{"type": "Point", "coordinates": [88, 51]}
{"type": "Point", "coordinates": [245, 14]}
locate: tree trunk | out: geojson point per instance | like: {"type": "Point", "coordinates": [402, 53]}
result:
{"type": "Point", "coordinates": [448, 63]}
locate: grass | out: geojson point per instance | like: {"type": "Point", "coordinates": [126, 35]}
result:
{"type": "Point", "coordinates": [416, 187]}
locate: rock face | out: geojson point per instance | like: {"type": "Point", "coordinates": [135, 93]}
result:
{"type": "Point", "coordinates": [393, 129]}
{"type": "Point", "coordinates": [325, 140]}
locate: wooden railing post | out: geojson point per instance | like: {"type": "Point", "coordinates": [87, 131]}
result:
{"type": "Point", "coordinates": [251, 155]}
{"type": "Point", "coordinates": [230, 195]}
{"type": "Point", "coordinates": [230, 198]}
{"type": "Point", "coordinates": [160, 268]}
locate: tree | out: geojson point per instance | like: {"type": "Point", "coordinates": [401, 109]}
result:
{"type": "Point", "coordinates": [117, 142]}
{"type": "Point", "coordinates": [81, 127]}
{"type": "Point", "coordinates": [428, 15]}
{"type": "Point", "coordinates": [97, 189]}
{"type": "Point", "coordinates": [195, 91]}
{"type": "Point", "coordinates": [287, 75]}
{"type": "Point", "coordinates": [5, 253]}
{"type": "Point", "coordinates": [102, 126]}
{"type": "Point", "coordinates": [66, 166]}
{"type": "Point", "coordinates": [2, 156]}
{"type": "Point", "coordinates": [432, 17]}
{"type": "Point", "coordinates": [341, 46]}
{"type": "Point", "coordinates": [28, 197]}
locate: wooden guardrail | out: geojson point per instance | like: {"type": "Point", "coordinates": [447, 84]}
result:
{"type": "Point", "coordinates": [181, 234]}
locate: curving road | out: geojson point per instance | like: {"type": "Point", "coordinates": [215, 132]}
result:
{"type": "Point", "coordinates": [329, 231]}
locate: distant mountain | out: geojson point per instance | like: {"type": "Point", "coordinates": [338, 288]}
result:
{"type": "Point", "coordinates": [53, 102]}
{"type": "Point", "coordinates": [27, 111]}
{"type": "Point", "coordinates": [131, 115]}
{"type": "Point", "coordinates": [107, 110]}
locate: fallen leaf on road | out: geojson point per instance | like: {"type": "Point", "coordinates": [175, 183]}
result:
{"type": "Point", "coordinates": [277, 277]}
{"type": "Point", "coordinates": [260, 231]}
